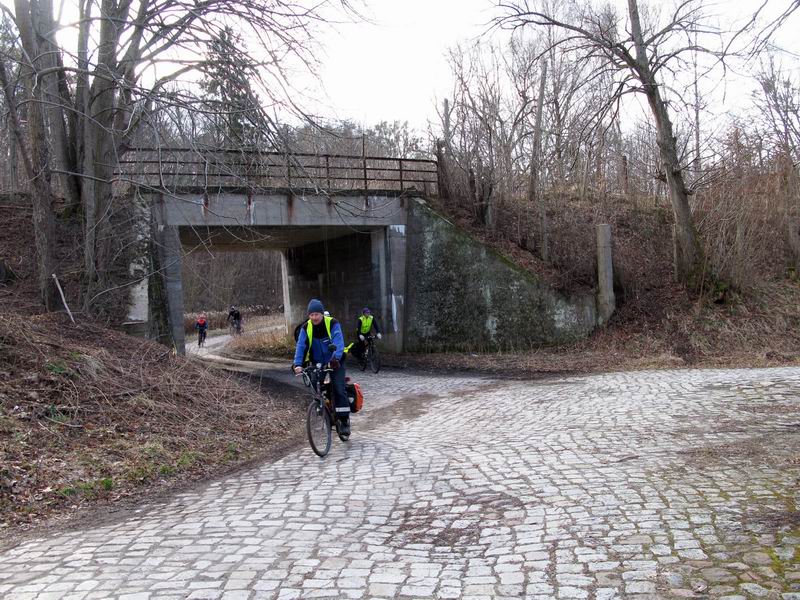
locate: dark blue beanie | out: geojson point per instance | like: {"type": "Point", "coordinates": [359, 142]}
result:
{"type": "Point", "coordinates": [315, 306]}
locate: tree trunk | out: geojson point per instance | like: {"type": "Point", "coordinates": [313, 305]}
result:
{"type": "Point", "coordinates": [12, 162]}
{"type": "Point", "coordinates": [38, 168]}
{"type": "Point", "coordinates": [689, 254]}
{"type": "Point", "coordinates": [55, 103]}
{"type": "Point", "coordinates": [534, 197]}
{"type": "Point", "coordinates": [98, 152]}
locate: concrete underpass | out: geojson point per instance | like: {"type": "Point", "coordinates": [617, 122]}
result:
{"type": "Point", "coordinates": [432, 285]}
{"type": "Point", "coordinates": [350, 253]}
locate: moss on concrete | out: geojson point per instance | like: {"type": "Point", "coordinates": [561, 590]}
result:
{"type": "Point", "coordinates": [464, 296]}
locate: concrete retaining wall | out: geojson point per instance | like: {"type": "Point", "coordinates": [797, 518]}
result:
{"type": "Point", "coordinates": [460, 295]}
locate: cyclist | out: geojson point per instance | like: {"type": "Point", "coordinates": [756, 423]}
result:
{"type": "Point", "coordinates": [365, 324]}
{"type": "Point", "coordinates": [201, 325]}
{"type": "Point", "coordinates": [312, 346]}
{"type": "Point", "coordinates": [235, 319]}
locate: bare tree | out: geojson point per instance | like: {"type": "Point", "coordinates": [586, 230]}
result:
{"type": "Point", "coordinates": [780, 109]}
{"type": "Point", "coordinates": [487, 123]}
{"type": "Point", "coordinates": [91, 94]}
{"type": "Point", "coordinates": [640, 54]}
{"type": "Point", "coordinates": [534, 193]}
{"type": "Point", "coordinates": [36, 57]}
{"type": "Point", "coordinates": [780, 104]}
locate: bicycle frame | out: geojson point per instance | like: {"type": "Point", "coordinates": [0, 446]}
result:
{"type": "Point", "coordinates": [314, 377]}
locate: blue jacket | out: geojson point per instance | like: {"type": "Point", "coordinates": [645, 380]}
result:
{"type": "Point", "coordinates": [319, 347]}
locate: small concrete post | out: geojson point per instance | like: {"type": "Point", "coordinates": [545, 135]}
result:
{"type": "Point", "coordinates": [605, 275]}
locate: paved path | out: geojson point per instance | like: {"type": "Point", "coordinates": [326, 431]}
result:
{"type": "Point", "coordinates": [681, 484]}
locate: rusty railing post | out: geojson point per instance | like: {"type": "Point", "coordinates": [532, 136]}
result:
{"type": "Point", "coordinates": [328, 171]}
{"type": "Point", "coordinates": [364, 154]}
{"type": "Point", "coordinates": [401, 174]}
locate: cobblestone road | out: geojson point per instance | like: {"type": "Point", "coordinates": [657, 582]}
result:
{"type": "Point", "coordinates": [676, 484]}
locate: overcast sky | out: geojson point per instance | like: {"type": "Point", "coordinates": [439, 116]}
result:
{"type": "Point", "coordinates": [395, 67]}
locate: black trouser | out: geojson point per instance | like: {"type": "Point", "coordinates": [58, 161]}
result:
{"type": "Point", "coordinates": [341, 403]}
{"type": "Point", "coordinates": [358, 349]}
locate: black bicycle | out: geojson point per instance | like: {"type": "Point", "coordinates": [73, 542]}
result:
{"type": "Point", "coordinates": [320, 417]}
{"type": "Point", "coordinates": [201, 338]}
{"type": "Point", "coordinates": [235, 327]}
{"type": "Point", "coordinates": [370, 356]}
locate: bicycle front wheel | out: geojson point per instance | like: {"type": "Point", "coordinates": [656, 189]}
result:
{"type": "Point", "coordinates": [374, 360]}
{"type": "Point", "coordinates": [318, 428]}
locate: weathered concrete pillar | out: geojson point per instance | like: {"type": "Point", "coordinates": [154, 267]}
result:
{"type": "Point", "coordinates": [138, 316]}
{"type": "Point", "coordinates": [171, 255]}
{"type": "Point", "coordinates": [287, 298]}
{"type": "Point", "coordinates": [295, 294]}
{"type": "Point", "coordinates": [396, 235]}
{"type": "Point", "coordinates": [380, 284]}
{"type": "Point", "coordinates": [605, 275]}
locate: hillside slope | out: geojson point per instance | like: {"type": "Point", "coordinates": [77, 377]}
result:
{"type": "Point", "coordinates": [657, 323]}
{"type": "Point", "coordinates": [87, 414]}
{"type": "Point", "coordinates": [90, 416]}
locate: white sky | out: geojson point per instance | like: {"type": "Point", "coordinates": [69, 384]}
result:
{"type": "Point", "coordinates": [395, 68]}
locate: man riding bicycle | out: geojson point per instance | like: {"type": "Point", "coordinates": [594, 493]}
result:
{"type": "Point", "coordinates": [365, 325]}
{"type": "Point", "coordinates": [235, 318]}
{"type": "Point", "coordinates": [201, 324]}
{"type": "Point", "coordinates": [313, 344]}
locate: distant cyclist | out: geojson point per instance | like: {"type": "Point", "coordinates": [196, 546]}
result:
{"type": "Point", "coordinates": [201, 325]}
{"type": "Point", "coordinates": [235, 319]}
{"type": "Point", "coordinates": [365, 325]}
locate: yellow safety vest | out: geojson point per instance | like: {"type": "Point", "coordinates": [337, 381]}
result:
{"type": "Point", "coordinates": [310, 334]}
{"type": "Point", "coordinates": [366, 324]}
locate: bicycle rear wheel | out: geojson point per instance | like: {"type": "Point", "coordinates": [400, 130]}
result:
{"type": "Point", "coordinates": [374, 359]}
{"type": "Point", "coordinates": [318, 428]}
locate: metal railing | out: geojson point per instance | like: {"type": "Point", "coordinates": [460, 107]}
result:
{"type": "Point", "coordinates": [176, 168]}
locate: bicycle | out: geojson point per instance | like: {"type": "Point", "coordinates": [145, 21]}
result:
{"type": "Point", "coordinates": [235, 328]}
{"type": "Point", "coordinates": [370, 356]}
{"type": "Point", "coordinates": [320, 414]}
{"type": "Point", "coordinates": [201, 338]}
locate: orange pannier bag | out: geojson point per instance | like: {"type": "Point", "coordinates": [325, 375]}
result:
{"type": "Point", "coordinates": [355, 396]}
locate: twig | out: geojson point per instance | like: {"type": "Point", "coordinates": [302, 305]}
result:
{"type": "Point", "coordinates": [73, 425]}
{"type": "Point", "coordinates": [63, 300]}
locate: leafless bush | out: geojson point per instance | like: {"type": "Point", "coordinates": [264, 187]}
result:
{"type": "Point", "coordinates": [750, 216]}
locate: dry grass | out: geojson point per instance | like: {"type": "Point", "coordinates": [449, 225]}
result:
{"type": "Point", "coordinates": [252, 318]}
{"type": "Point", "coordinates": [268, 341]}
{"type": "Point", "coordinates": [88, 414]}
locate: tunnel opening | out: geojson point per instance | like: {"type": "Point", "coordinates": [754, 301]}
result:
{"type": "Point", "coordinates": [280, 269]}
